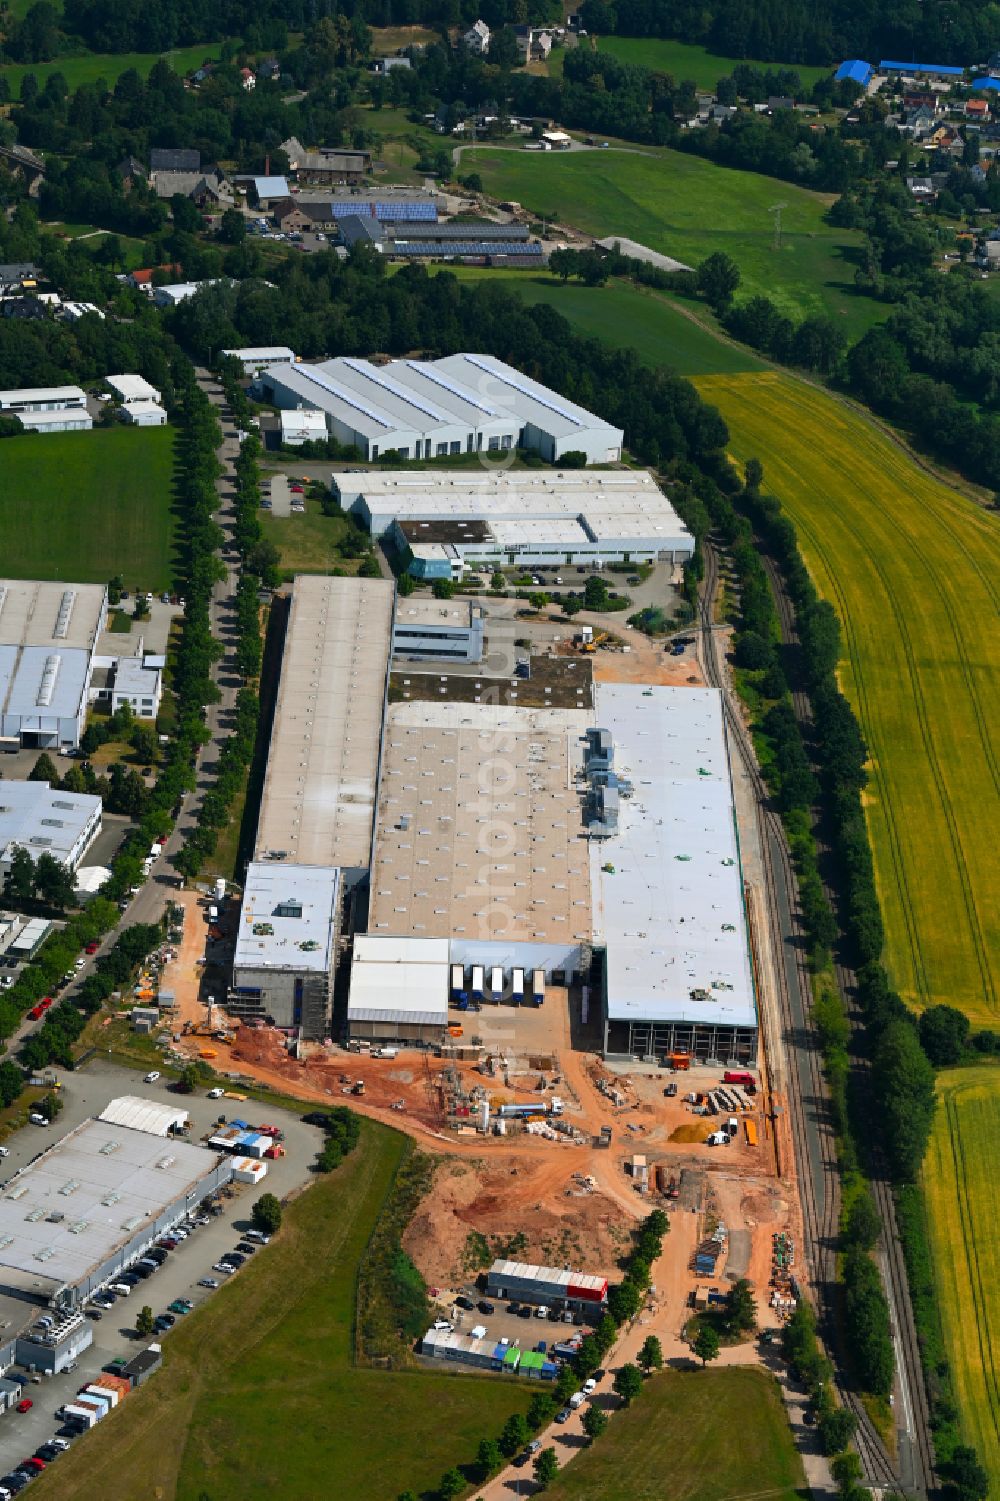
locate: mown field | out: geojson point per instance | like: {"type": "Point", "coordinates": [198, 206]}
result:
{"type": "Point", "coordinates": [688, 208]}
{"type": "Point", "coordinates": [627, 317]}
{"type": "Point", "coordinates": [258, 1396]}
{"type": "Point", "coordinates": [685, 61]}
{"type": "Point", "coordinates": [307, 541]}
{"type": "Point", "coordinates": [90, 66]}
{"type": "Point", "coordinates": [913, 568]}
{"type": "Point", "coordinates": [669, 1444]}
{"type": "Point", "coordinates": [960, 1188]}
{"type": "Point", "coordinates": [88, 505]}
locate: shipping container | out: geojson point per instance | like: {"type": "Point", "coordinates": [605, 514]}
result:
{"type": "Point", "coordinates": [496, 982]}
{"type": "Point", "coordinates": [517, 987]}
{"type": "Point", "coordinates": [478, 981]}
{"type": "Point", "coordinates": [88, 1414]}
{"type": "Point", "coordinates": [105, 1393]}
{"type": "Point", "coordinates": [538, 986]}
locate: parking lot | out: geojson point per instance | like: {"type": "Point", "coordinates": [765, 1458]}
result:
{"type": "Point", "coordinates": [86, 1093]}
{"type": "Point", "coordinates": [524, 1330]}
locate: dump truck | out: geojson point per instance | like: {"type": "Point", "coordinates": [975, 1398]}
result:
{"type": "Point", "coordinates": [358, 1087]}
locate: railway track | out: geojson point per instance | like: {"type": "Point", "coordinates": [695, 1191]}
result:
{"type": "Point", "coordinates": [811, 1126]}
{"type": "Point", "coordinates": [916, 1466]}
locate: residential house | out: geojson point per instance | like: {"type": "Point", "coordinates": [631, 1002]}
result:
{"type": "Point", "coordinates": [142, 280]}
{"type": "Point", "coordinates": [477, 39]}
{"type": "Point", "coordinates": [209, 190]}
{"type": "Point", "coordinates": [534, 43]}
{"type": "Point", "coordinates": [17, 277]}
{"type": "Point", "coordinates": [248, 79]}
{"type": "Point", "coordinates": [168, 159]}
{"type": "Point", "coordinates": [778, 102]}
{"type": "Point", "coordinates": [293, 215]}
{"type": "Point", "coordinates": [384, 65]}
{"type": "Point", "coordinates": [977, 109]}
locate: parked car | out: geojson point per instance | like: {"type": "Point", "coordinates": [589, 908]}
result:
{"type": "Point", "coordinates": [25, 1404]}
{"type": "Point", "coordinates": [207, 1282]}
{"type": "Point", "coordinates": [442, 1326]}
{"type": "Point", "coordinates": [464, 1302]}
{"type": "Point", "coordinates": [152, 1076]}
{"type": "Point", "coordinates": [562, 1416]}
{"type": "Point", "coordinates": [92, 947]}
{"type": "Point", "coordinates": [220, 1266]}
{"type": "Point", "coordinates": [589, 1386]}
{"type": "Point", "coordinates": [485, 1306]}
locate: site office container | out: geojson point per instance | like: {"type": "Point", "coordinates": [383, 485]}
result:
{"type": "Point", "coordinates": [87, 1411]}
{"type": "Point", "coordinates": [517, 987]}
{"type": "Point", "coordinates": [119, 1384]}
{"type": "Point", "coordinates": [102, 1393]}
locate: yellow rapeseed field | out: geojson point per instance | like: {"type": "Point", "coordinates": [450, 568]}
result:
{"type": "Point", "coordinates": [913, 569]}
{"type": "Point", "coordinates": [960, 1185]}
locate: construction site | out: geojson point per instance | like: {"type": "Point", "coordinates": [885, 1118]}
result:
{"type": "Point", "coordinates": [553, 1131]}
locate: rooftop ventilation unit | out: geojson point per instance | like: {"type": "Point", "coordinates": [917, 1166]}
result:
{"type": "Point", "coordinates": [44, 1255]}
{"type": "Point", "coordinates": [34, 1216]}
{"type": "Point", "coordinates": [18, 1192]}
{"type": "Point", "coordinates": [6, 1240]}
{"type": "Point", "coordinates": [109, 1147]}
{"type": "Point", "coordinates": [47, 686]}
{"type": "Point", "coordinates": [65, 614]}
{"type": "Point", "coordinates": [78, 1227]}
{"type": "Point", "coordinates": [166, 1162]}
{"type": "Point", "coordinates": [70, 1187]}
{"type": "Point", "coordinates": [133, 1223]}
{"type": "Point", "coordinates": [111, 1198]}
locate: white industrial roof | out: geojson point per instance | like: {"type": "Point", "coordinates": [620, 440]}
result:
{"type": "Point", "coordinates": [42, 819]}
{"type": "Point", "coordinates": [132, 388]}
{"type": "Point", "coordinates": [136, 409]}
{"type": "Point", "coordinates": [70, 396]}
{"type": "Point", "coordinates": [261, 354]}
{"type": "Point", "coordinates": [298, 903]}
{"type": "Point", "coordinates": [39, 687]}
{"type": "Point", "coordinates": [556, 1276]}
{"type": "Point", "coordinates": [422, 610]}
{"type": "Point", "coordinates": [79, 416]}
{"type": "Point", "coordinates": [150, 1116]}
{"type": "Point", "coordinates": [399, 979]}
{"type": "Point", "coordinates": [320, 785]}
{"type": "Point", "coordinates": [65, 1213]}
{"type": "Point", "coordinates": [474, 392]}
{"type": "Point", "coordinates": [671, 914]}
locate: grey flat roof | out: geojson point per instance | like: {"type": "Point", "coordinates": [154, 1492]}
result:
{"type": "Point", "coordinates": [671, 914]}
{"type": "Point", "coordinates": [33, 610]}
{"type": "Point", "coordinates": [423, 610]}
{"type": "Point", "coordinates": [499, 384]}
{"type": "Point", "coordinates": [298, 903]}
{"type": "Point", "coordinates": [479, 829]}
{"type": "Point", "coordinates": [320, 784]}
{"type": "Point", "coordinates": [43, 820]}
{"type": "Point", "coordinates": [105, 1182]}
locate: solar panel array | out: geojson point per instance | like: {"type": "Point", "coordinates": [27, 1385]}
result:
{"type": "Point", "coordinates": [376, 208]}
{"type": "Point", "coordinates": [464, 247]}
{"type": "Point", "coordinates": [458, 229]}
{"type": "Point", "coordinates": [311, 373]}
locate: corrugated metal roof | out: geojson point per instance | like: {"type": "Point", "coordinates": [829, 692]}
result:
{"type": "Point", "coordinates": [143, 1115]}
{"type": "Point", "coordinates": [854, 71]}
{"type": "Point", "coordinates": [560, 1277]}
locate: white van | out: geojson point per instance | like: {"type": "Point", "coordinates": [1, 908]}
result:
{"type": "Point", "coordinates": [577, 1400]}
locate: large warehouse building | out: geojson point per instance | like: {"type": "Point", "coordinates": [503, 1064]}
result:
{"type": "Point", "coordinates": [48, 638]}
{"type": "Point", "coordinates": [314, 834]}
{"type": "Point", "coordinates": [399, 990]}
{"type": "Point", "coordinates": [94, 1201]}
{"type": "Point", "coordinates": [465, 403]}
{"type": "Point", "coordinates": [536, 839]}
{"type": "Point", "coordinates": [46, 821]}
{"type": "Point", "coordinates": [548, 1286]}
{"type": "Point", "coordinates": [447, 522]}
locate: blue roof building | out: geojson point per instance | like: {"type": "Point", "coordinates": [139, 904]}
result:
{"type": "Point", "coordinates": [986, 83]}
{"type": "Point", "coordinates": [854, 71]}
{"type": "Point", "coordinates": [938, 70]}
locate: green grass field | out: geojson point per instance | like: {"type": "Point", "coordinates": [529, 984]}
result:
{"type": "Point", "coordinates": [687, 208]}
{"type": "Point", "coordinates": [88, 505]}
{"type": "Point", "coordinates": [960, 1187]}
{"type": "Point", "coordinates": [258, 1396]}
{"type": "Point", "coordinates": [627, 316]}
{"type": "Point", "coordinates": [91, 66]}
{"type": "Point", "coordinates": [913, 568]}
{"type": "Point", "coordinates": [684, 61]}
{"type": "Point", "coordinates": [668, 1443]}
{"type": "Point", "coordinates": [307, 541]}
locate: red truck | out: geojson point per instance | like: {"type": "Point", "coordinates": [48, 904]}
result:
{"type": "Point", "coordinates": [744, 1080]}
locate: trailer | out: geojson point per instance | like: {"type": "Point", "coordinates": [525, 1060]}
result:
{"type": "Point", "coordinates": [458, 990]}
{"type": "Point", "coordinates": [517, 987]}
{"type": "Point", "coordinates": [478, 982]}
{"type": "Point", "coordinates": [750, 1127]}
{"type": "Point", "coordinates": [538, 986]}
{"type": "Point", "coordinates": [496, 982]}
{"type": "Point", "coordinates": [531, 1108]}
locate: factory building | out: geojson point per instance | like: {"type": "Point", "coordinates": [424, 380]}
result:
{"type": "Point", "coordinates": [399, 990]}
{"type": "Point", "coordinates": [548, 1286]}
{"type": "Point", "coordinates": [677, 971]}
{"type": "Point", "coordinates": [315, 829]}
{"type": "Point", "coordinates": [92, 1202]}
{"type": "Point", "coordinates": [258, 359]}
{"type": "Point", "coordinates": [438, 630]}
{"type": "Point", "coordinates": [449, 522]}
{"type": "Point", "coordinates": [48, 409]}
{"type": "Point", "coordinates": [45, 821]}
{"type": "Point", "coordinates": [465, 403]}
{"type": "Point", "coordinates": [318, 802]}
{"type": "Point", "coordinates": [286, 945]}
{"type": "Point", "coordinates": [48, 638]}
